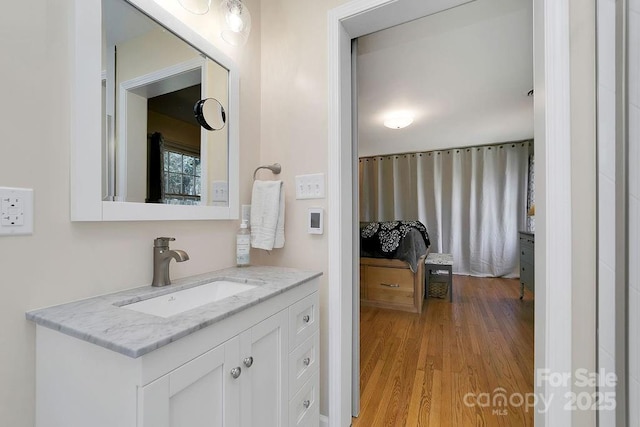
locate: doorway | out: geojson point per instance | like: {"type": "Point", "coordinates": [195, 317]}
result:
{"type": "Point", "coordinates": [553, 327]}
{"type": "Point", "coordinates": [458, 74]}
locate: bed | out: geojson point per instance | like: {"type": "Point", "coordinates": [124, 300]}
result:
{"type": "Point", "coordinates": [392, 255]}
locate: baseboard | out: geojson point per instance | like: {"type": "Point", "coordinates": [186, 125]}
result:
{"type": "Point", "coordinates": [324, 421]}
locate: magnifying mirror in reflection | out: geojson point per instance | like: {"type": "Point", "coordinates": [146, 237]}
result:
{"type": "Point", "coordinates": [210, 114]}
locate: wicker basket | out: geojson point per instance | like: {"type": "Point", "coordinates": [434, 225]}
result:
{"type": "Point", "coordinates": [438, 285]}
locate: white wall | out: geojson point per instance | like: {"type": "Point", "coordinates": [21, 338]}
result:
{"type": "Point", "coordinates": [609, 177]}
{"type": "Point", "coordinates": [583, 196]}
{"type": "Point", "coordinates": [65, 261]}
{"type": "Point", "coordinates": [294, 132]}
{"type": "Point", "coordinates": [606, 193]}
{"type": "Point", "coordinates": [634, 212]}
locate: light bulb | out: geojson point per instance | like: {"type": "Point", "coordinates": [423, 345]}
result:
{"type": "Point", "coordinates": [235, 22]}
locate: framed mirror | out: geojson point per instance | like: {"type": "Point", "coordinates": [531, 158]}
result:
{"type": "Point", "coordinates": [139, 151]}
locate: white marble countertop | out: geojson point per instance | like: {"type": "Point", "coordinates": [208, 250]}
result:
{"type": "Point", "coordinates": [101, 321]}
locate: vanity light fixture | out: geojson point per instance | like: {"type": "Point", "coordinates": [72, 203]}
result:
{"type": "Point", "coordinates": [198, 7]}
{"type": "Point", "coordinates": [235, 22]}
{"type": "Point", "coordinates": [398, 120]}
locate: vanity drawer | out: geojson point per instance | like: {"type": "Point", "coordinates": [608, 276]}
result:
{"type": "Point", "coordinates": [393, 285]}
{"type": "Point", "coordinates": [303, 363]}
{"type": "Point", "coordinates": [303, 320]}
{"type": "Point", "coordinates": [304, 407]}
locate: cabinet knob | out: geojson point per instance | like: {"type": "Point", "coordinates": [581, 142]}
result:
{"type": "Point", "coordinates": [306, 318]}
{"type": "Point", "coordinates": [306, 361]}
{"type": "Point", "coordinates": [248, 361]}
{"type": "Point", "coordinates": [235, 372]}
{"type": "Point", "coordinates": [306, 403]}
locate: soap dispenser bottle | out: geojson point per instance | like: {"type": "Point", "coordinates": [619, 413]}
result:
{"type": "Point", "coordinates": [243, 245]}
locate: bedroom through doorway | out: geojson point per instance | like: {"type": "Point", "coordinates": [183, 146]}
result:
{"type": "Point", "coordinates": [430, 342]}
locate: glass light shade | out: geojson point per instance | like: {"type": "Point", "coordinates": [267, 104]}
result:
{"type": "Point", "coordinates": [398, 121]}
{"type": "Point", "coordinates": [198, 7]}
{"type": "Point", "coordinates": [235, 22]}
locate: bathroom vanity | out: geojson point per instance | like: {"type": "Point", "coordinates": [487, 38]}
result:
{"type": "Point", "coordinates": [242, 350]}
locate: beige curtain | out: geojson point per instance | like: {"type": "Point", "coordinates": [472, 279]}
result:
{"type": "Point", "coordinates": [472, 201]}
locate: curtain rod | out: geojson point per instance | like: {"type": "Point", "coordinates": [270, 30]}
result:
{"type": "Point", "coordinates": [495, 144]}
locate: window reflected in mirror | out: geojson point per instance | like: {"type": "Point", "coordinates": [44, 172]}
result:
{"type": "Point", "coordinates": [154, 149]}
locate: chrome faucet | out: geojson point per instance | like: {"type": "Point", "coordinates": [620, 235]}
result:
{"type": "Point", "coordinates": [161, 258]}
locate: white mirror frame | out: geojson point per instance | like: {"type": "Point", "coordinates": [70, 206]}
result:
{"type": "Point", "coordinates": [86, 133]}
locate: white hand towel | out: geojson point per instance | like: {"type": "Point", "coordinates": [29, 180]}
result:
{"type": "Point", "coordinates": [267, 215]}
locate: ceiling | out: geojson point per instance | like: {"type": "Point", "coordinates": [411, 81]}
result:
{"type": "Point", "coordinates": [178, 104]}
{"type": "Point", "coordinates": [464, 73]}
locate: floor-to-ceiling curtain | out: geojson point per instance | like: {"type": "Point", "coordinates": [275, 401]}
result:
{"type": "Point", "coordinates": [472, 200]}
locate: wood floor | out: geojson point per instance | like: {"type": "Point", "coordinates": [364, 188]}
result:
{"type": "Point", "coordinates": [415, 370]}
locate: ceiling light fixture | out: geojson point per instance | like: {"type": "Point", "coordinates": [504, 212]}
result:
{"type": "Point", "coordinates": [235, 22]}
{"type": "Point", "coordinates": [398, 120]}
{"type": "Point", "coordinates": [198, 7]}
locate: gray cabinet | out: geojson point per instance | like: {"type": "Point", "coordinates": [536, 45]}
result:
{"type": "Point", "coordinates": [527, 258]}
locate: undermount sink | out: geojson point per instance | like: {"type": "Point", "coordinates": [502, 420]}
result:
{"type": "Point", "coordinates": [168, 305]}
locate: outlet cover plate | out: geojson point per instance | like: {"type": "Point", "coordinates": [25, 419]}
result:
{"type": "Point", "coordinates": [16, 211]}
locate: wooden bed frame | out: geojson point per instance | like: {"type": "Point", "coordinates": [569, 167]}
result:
{"type": "Point", "coordinates": [390, 283]}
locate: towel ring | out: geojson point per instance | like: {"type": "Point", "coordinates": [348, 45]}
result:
{"type": "Point", "coordinates": [275, 168]}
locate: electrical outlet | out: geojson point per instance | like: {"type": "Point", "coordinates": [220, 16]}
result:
{"type": "Point", "coordinates": [310, 186]}
{"type": "Point", "coordinates": [16, 211]}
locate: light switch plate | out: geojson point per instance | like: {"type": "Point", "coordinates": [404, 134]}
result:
{"type": "Point", "coordinates": [219, 193]}
{"type": "Point", "coordinates": [16, 211]}
{"type": "Point", "coordinates": [310, 186]}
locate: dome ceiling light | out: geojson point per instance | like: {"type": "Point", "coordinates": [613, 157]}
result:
{"type": "Point", "coordinates": [399, 120]}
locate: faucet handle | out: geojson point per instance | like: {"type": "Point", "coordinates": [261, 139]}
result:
{"type": "Point", "coordinates": [162, 242]}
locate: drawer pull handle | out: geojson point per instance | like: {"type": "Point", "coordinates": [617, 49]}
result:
{"type": "Point", "coordinates": [306, 404]}
{"type": "Point", "coordinates": [522, 252]}
{"type": "Point", "coordinates": [306, 318]}
{"type": "Point", "coordinates": [306, 361]}
{"type": "Point", "coordinates": [390, 285]}
{"type": "Point", "coordinates": [235, 372]}
{"type": "Point", "coordinates": [248, 361]}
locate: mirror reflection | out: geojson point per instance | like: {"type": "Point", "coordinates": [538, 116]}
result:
{"type": "Point", "coordinates": [155, 150]}
{"type": "Point", "coordinates": [210, 114]}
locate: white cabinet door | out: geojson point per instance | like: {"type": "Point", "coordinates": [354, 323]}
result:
{"type": "Point", "coordinates": [265, 386]}
{"type": "Point", "coordinates": [202, 392]}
